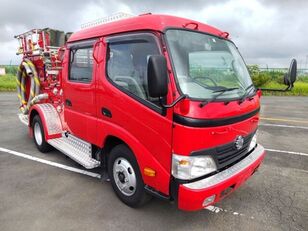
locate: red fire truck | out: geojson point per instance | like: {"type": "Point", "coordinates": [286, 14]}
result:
{"type": "Point", "coordinates": [163, 105]}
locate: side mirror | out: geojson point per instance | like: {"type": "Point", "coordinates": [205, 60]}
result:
{"type": "Point", "coordinates": [290, 77]}
{"type": "Point", "coordinates": [157, 76]}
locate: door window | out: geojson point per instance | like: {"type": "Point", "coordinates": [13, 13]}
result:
{"type": "Point", "coordinates": [127, 60]}
{"type": "Point", "coordinates": [81, 65]}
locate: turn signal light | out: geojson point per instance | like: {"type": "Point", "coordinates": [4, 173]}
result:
{"type": "Point", "coordinates": [149, 172]}
{"type": "Point", "coordinates": [184, 162]}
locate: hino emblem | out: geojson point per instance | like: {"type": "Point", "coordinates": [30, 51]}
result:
{"type": "Point", "coordinates": [239, 142]}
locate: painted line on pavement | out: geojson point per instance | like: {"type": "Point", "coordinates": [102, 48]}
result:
{"type": "Point", "coordinates": [283, 126]}
{"type": "Point", "coordinates": [287, 152]}
{"type": "Point", "coordinates": [211, 208]}
{"type": "Point", "coordinates": [96, 175]}
{"type": "Point", "coordinates": [301, 170]}
{"type": "Point", "coordinates": [284, 120]}
{"type": "Point", "coordinates": [51, 163]}
{"type": "Point", "coordinates": [76, 170]}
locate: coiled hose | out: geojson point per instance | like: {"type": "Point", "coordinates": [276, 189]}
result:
{"type": "Point", "coordinates": [27, 70]}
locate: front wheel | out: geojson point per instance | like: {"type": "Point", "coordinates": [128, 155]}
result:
{"type": "Point", "coordinates": [125, 177]}
{"type": "Point", "coordinates": [39, 135]}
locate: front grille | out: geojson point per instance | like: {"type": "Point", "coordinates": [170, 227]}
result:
{"type": "Point", "coordinates": [227, 154]}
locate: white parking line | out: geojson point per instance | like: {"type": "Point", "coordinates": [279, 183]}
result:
{"type": "Point", "coordinates": [211, 208]}
{"type": "Point", "coordinates": [62, 166]}
{"type": "Point", "coordinates": [288, 152]}
{"type": "Point", "coordinates": [96, 175]}
{"type": "Point", "coordinates": [283, 126]}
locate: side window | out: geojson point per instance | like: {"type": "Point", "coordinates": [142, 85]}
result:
{"type": "Point", "coordinates": [127, 64]}
{"type": "Point", "coordinates": [81, 65]}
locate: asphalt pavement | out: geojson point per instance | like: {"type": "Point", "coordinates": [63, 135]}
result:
{"type": "Point", "coordinates": [38, 196]}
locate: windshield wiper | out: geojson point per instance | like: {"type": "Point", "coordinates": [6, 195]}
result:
{"type": "Point", "coordinates": [221, 91]}
{"type": "Point", "coordinates": [247, 92]}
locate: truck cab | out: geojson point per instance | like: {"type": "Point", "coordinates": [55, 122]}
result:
{"type": "Point", "coordinates": [164, 105]}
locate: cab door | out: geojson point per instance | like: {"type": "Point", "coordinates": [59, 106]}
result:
{"type": "Point", "coordinates": [123, 100]}
{"type": "Point", "coordinates": [79, 91]}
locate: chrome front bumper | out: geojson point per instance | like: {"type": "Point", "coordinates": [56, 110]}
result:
{"type": "Point", "coordinates": [229, 172]}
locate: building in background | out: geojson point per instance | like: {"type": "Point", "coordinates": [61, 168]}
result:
{"type": "Point", "coordinates": [2, 71]}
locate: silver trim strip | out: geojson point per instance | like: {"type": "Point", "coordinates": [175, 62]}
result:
{"type": "Point", "coordinates": [228, 173]}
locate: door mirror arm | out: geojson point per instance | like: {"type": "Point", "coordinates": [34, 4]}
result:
{"type": "Point", "coordinates": [175, 102]}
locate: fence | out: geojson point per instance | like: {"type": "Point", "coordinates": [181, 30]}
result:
{"type": "Point", "coordinates": [300, 72]}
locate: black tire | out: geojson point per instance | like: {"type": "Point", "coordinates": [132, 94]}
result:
{"type": "Point", "coordinates": [139, 197]}
{"type": "Point", "coordinates": [42, 145]}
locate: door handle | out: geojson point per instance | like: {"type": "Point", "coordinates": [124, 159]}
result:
{"type": "Point", "coordinates": [68, 103]}
{"type": "Point", "coordinates": [221, 132]}
{"type": "Point", "coordinates": [106, 112]}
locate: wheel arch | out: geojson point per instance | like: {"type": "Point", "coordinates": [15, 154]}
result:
{"type": "Point", "coordinates": [144, 158]}
{"type": "Point", "coordinates": [110, 142]}
{"type": "Point", "coordinates": [32, 114]}
{"type": "Point", "coordinates": [50, 120]}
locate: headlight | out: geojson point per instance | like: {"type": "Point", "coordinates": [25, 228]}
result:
{"type": "Point", "coordinates": [190, 167]}
{"type": "Point", "coordinates": [253, 142]}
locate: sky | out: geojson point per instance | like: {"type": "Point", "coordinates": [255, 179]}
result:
{"type": "Point", "coordinates": [267, 32]}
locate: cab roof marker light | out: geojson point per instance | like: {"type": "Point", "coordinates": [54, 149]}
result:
{"type": "Point", "coordinates": [225, 35]}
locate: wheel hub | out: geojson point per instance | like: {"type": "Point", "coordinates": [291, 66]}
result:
{"type": "Point", "coordinates": [38, 134]}
{"type": "Point", "coordinates": [121, 177]}
{"type": "Point", "coordinates": [124, 176]}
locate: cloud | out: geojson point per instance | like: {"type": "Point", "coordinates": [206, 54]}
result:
{"type": "Point", "coordinates": [266, 32]}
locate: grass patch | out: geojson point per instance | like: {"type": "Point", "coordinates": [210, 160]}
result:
{"type": "Point", "coordinates": [274, 80]}
{"type": "Point", "coordinates": [8, 82]}
{"type": "Point", "coordinates": [300, 89]}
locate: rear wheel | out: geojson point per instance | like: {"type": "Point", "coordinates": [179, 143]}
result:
{"type": "Point", "coordinates": [39, 135]}
{"type": "Point", "coordinates": [125, 177]}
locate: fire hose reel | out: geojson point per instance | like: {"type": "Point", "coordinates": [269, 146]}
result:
{"type": "Point", "coordinates": [27, 70]}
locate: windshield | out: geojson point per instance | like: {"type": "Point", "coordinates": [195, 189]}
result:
{"type": "Point", "coordinates": [205, 64]}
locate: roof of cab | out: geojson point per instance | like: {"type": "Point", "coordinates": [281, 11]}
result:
{"type": "Point", "coordinates": [142, 22]}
